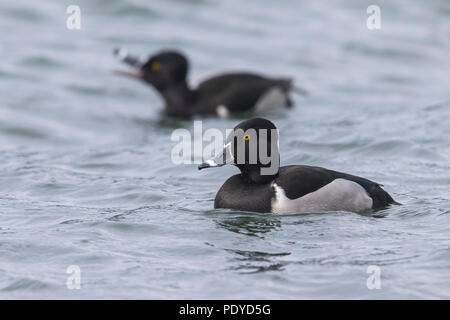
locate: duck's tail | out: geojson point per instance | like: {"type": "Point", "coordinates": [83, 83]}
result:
{"type": "Point", "coordinates": [299, 90]}
{"type": "Point", "coordinates": [288, 85]}
{"type": "Point", "coordinates": [381, 198]}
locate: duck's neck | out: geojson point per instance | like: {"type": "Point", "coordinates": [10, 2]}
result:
{"type": "Point", "coordinates": [252, 173]}
{"type": "Point", "coordinates": [178, 95]}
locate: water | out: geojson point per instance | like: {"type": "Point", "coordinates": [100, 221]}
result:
{"type": "Point", "coordinates": [85, 171]}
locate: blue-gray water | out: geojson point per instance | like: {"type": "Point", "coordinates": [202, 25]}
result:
{"type": "Point", "coordinates": [86, 177]}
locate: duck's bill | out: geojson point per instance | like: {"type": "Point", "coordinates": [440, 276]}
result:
{"type": "Point", "coordinates": [135, 74]}
{"type": "Point", "coordinates": [223, 158]}
{"type": "Point", "coordinates": [123, 55]}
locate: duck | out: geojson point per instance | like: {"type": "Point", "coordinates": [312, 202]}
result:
{"type": "Point", "coordinates": [221, 95]}
{"type": "Point", "coordinates": [263, 186]}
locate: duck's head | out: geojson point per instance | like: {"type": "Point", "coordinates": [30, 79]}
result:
{"type": "Point", "coordinates": [162, 70]}
{"type": "Point", "coordinates": [252, 146]}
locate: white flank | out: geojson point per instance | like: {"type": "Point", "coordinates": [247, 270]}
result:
{"type": "Point", "coordinates": [273, 98]}
{"type": "Point", "coordinates": [222, 111]}
{"type": "Point", "coordinates": [339, 195]}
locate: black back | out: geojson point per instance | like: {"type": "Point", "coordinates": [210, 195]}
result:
{"type": "Point", "coordinates": [298, 181]}
{"type": "Point", "coordinates": [239, 92]}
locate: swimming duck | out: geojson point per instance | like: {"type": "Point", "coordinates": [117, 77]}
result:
{"type": "Point", "coordinates": [219, 96]}
{"type": "Point", "coordinates": [288, 189]}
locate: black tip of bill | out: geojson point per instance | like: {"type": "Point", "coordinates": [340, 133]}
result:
{"type": "Point", "coordinates": [204, 165]}
{"type": "Point", "coordinates": [120, 53]}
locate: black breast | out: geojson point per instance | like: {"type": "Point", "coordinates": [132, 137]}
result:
{"type": "Point", "coordinates": [238, 194]}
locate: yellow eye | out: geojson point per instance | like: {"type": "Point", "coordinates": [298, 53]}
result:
{"type": "Point", "coordinates": [246, 137]}
{"type": "Point", "coordinates": [156, 66]}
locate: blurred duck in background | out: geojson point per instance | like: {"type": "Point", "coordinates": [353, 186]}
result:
{"type": "Point", "coordinates": [218, 96]}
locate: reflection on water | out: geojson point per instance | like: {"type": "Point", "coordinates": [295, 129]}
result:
{"type": "Point", "coordinates": [252, 225]}
{"type": "Point", "coordinates": [255, 262]}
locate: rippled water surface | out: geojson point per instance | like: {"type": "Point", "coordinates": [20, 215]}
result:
{"type": "Point", "coordinates": [86, 177]}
